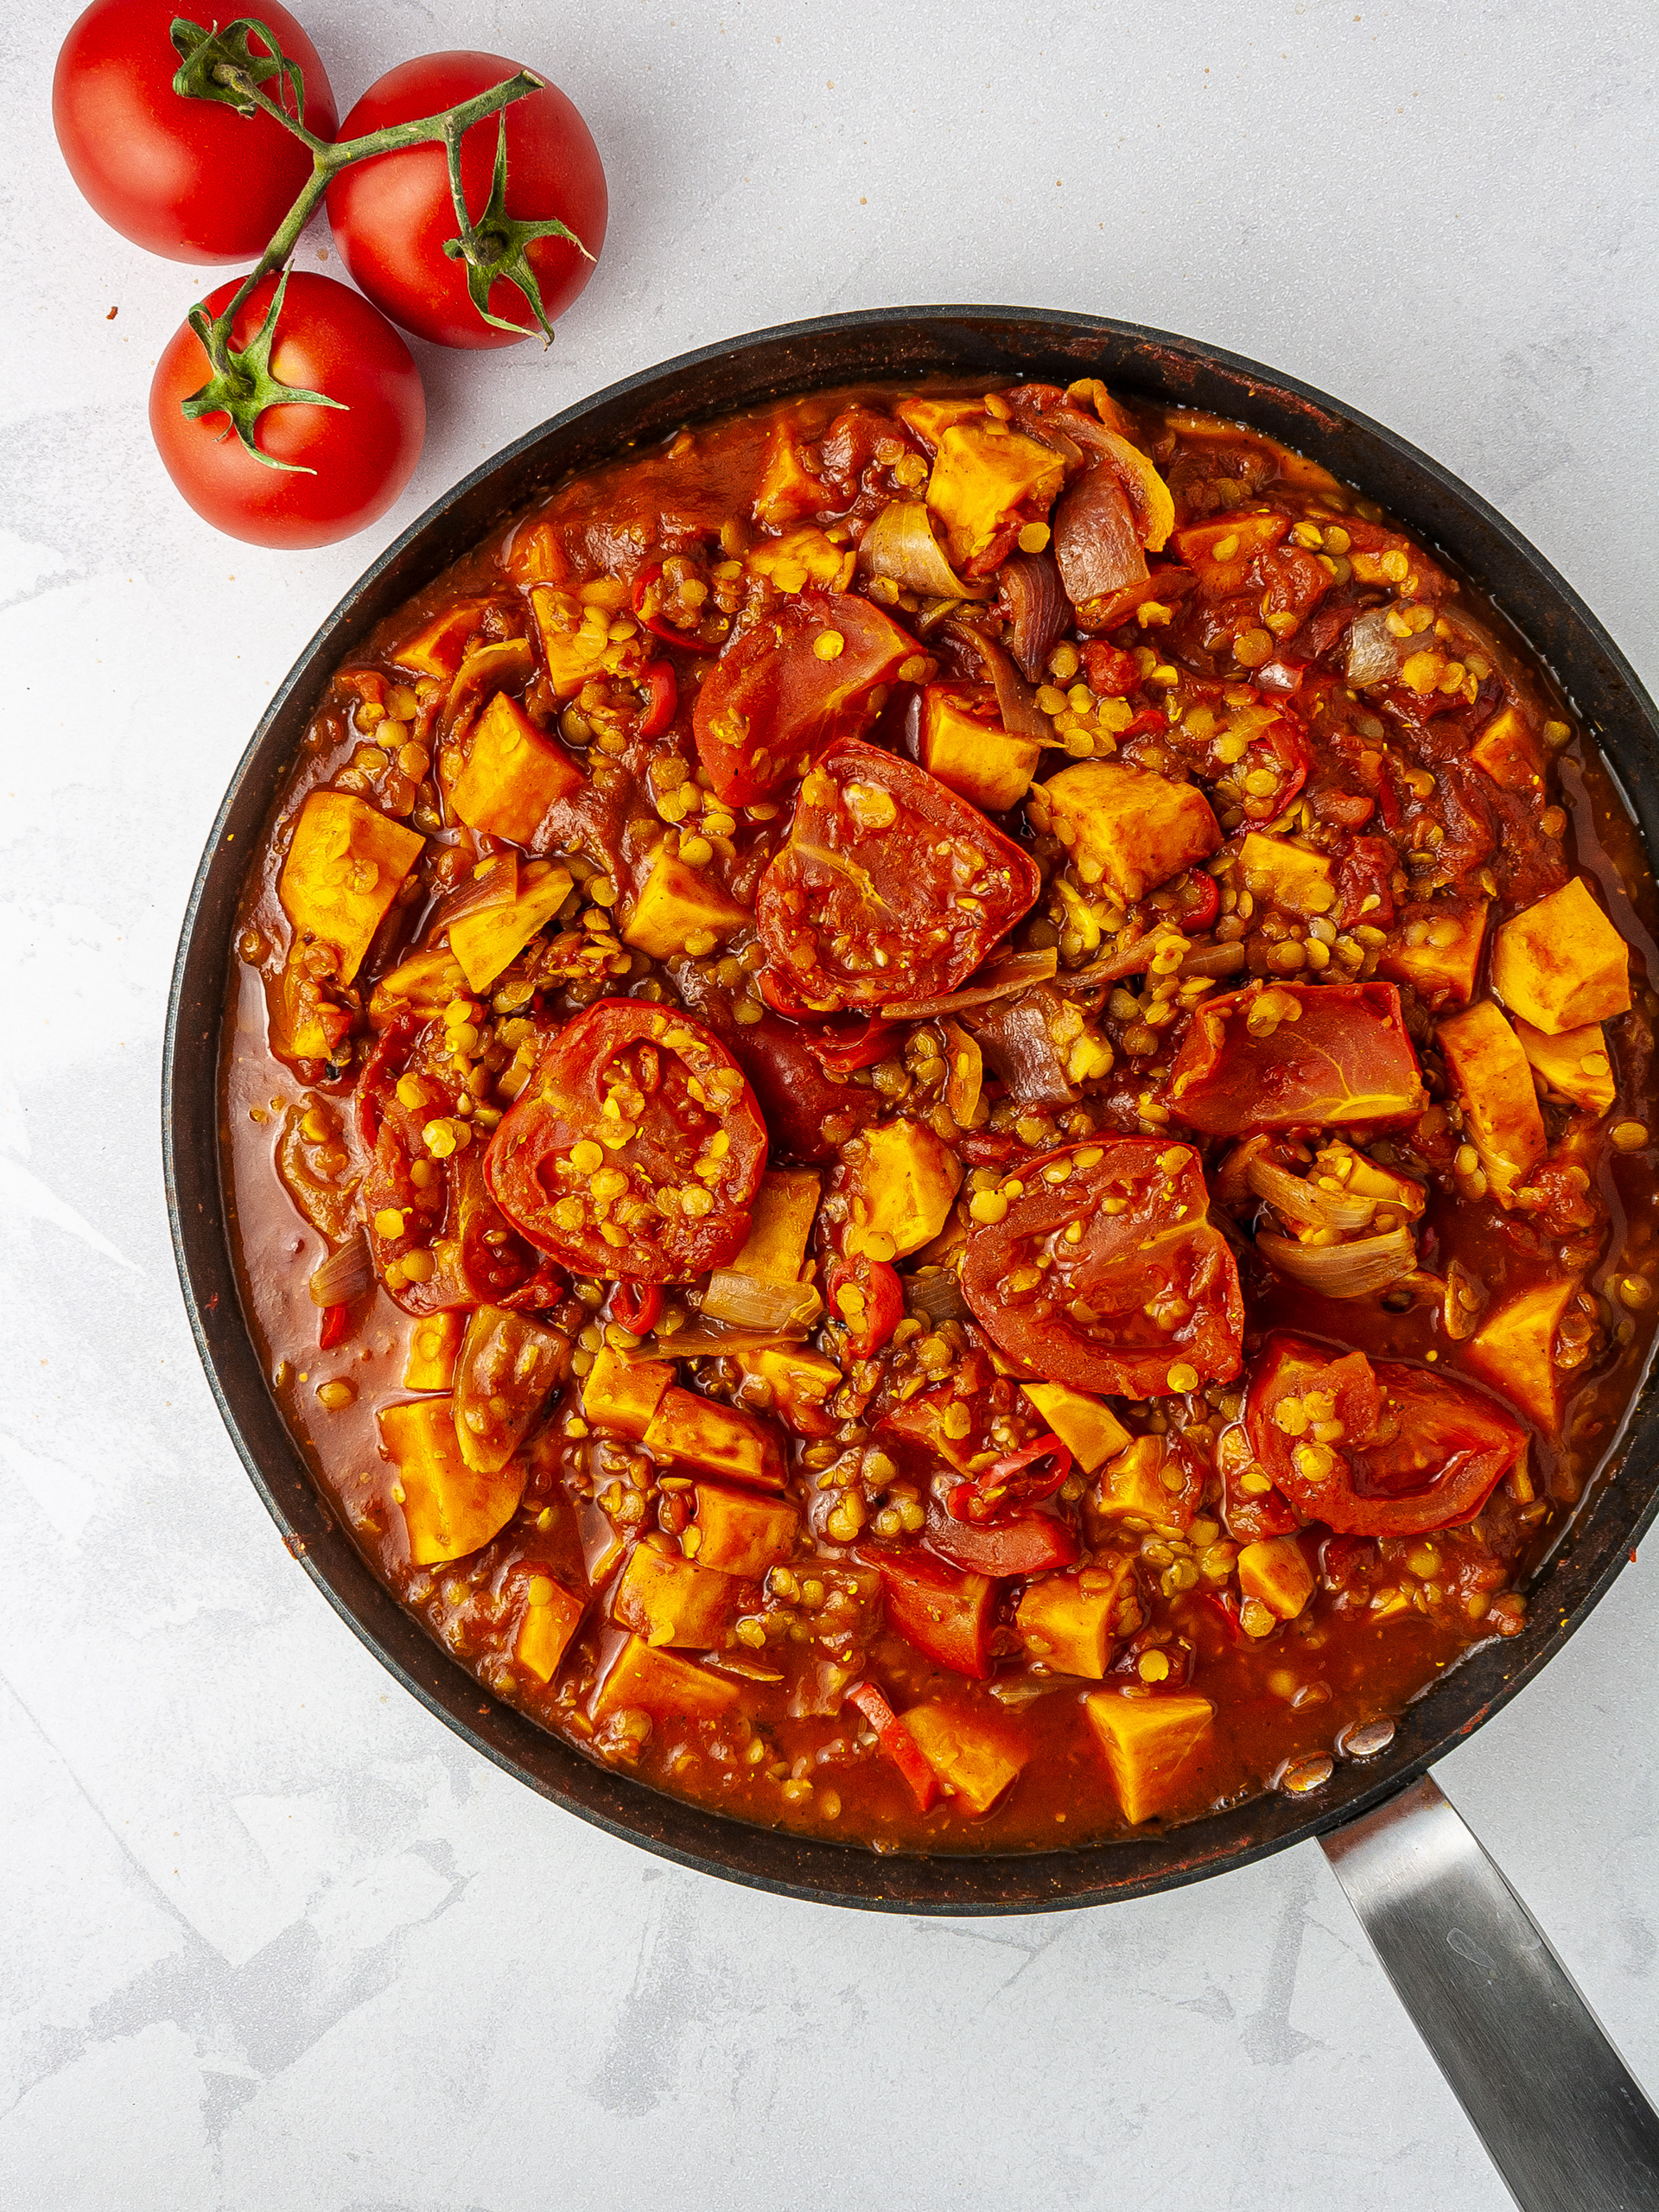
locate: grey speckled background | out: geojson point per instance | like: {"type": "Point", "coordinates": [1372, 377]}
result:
{"type": "Point", "coordinates": [271, 1938]}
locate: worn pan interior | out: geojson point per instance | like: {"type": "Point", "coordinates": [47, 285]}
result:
{"type": "Point", "coordinates": [795, 357]}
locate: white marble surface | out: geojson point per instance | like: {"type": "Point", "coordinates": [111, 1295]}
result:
{"type": "Point", "coordinates": [272, 1939]}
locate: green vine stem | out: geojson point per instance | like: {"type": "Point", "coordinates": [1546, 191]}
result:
{"type": "Point", "coordinates": [220, 65]}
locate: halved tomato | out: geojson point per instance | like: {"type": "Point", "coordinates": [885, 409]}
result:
{"type": "Point", "coordinates": [1416, 1451]}
{"type": "Point", "coordinates": [634, 1150]}
{"type": "Point", "coordinates": [890, 886]}
{"type": "Point", "coordinates": [1024, 1542]}
{"type": "Point", "coordinates": [1249, 1062]}
{"type": "Point", "coordinates": [1105, 1272]}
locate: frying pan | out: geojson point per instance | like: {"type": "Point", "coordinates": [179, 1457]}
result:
{"type": "Point", "coordinates": [1561, 2116]}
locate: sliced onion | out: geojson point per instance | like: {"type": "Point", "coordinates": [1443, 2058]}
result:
{"type": "Point", "coordinates": [494, 882]}
{"type": "Point", "coordinates": [1015, 975]}
{"type": "Point", "coordinates": [1231, 1180]}
{"type": "Point", "coordinates": [1305, 1201]}
{"type": "Point", "coordinates": [1019, 1042]}
{"type": "Point", "coordinates": [1214, 960]}
{"type": "Point", "coordinates": [1096, 544]}
{"type": "Point", "coordinates": [1465, 1295]}
{"type": "Point", "coordinates": [1355, 1270]}
{"type": "Point", "coordinates": [345, 1274]}
{"type": "Point", "coordinates": [901, 544]}
{"type": "Point", "coordinates": [1016, 704]}
{"type": "Point", "coordinates": [707, 1340]}
{"type": "Point", "coordinates": [1375, 653]}
{"type": "Point", "coordinates": [485, 668]}
{"type": "Point", "coordinates": [1136, 959]}
{"type": "Point", "coordinates": [780, 1308]}
{"type": "Point", "coordinates": [939, 1296]}
{"type": "Point", "coordinates": [965, 1074]}
{"type": "Point", "coordinates": [1037, 609]}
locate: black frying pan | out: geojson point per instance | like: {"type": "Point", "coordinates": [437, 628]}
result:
{"type": "Point", "coordinates": [1549, 2106]}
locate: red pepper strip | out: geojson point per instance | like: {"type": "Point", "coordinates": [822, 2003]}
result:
{"type": "Point", "coordinates": [334, 1327]}
{"type": "Point", "coordinates": [897, 1742]}
{"type": "Point", "coordinates": [1204, 900]}
{"type": "Point", "coordinates": [1292, 758]}
{"type": "Point", "coordinates": [637, 1306]}
{"type": "Point", "coordinates": [1010, 1481]}
{"type": "Point", "coordinates": [840, 1052]}
{"type": "Point", "coordinates": [869, 1323]}
{"type": "Point", "coordinates": [1150, 721]}
{"type": "Point", "coordinates": [664, 699]}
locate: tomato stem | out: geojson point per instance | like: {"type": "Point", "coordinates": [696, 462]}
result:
{"type": "Point", "coordinates": [223, 66]}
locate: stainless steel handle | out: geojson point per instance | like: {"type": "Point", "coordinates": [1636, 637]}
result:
{"type": "Point", "coordinates": [1561, 2116]}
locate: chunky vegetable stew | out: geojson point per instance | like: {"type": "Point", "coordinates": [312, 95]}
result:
{"type": "Point", "coordinates": [940, 1110]}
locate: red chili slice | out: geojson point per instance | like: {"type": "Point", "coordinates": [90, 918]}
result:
{"type": "Point", "coordinates": [1201, 901]}
{"type": "Point", "coordinates": [778, 694]}
{"type": "Point", "coordinates": [1108, 1276]}
{"type": "Point", "coordinates": [1021, 1477]}
{"type": "Point", "coordinates": [889, 888]}
{"type": "Point", "coordinates": [637, 1306]}
{"type": "Point", "coordinates": [333, 1327]}
{"type": "Point", "coordinates": [648, 611]}
{"type": "Point", "coordinates": [869, 1297]}
{"type": "Point", "coordinates": [1418, 1451]}
{"type": "Point", "coordinates": [635, 1149]}
{"type": "Point", "coordinates": [896, 1741]}
{"type": "Point", "coordinates": [664, 702]}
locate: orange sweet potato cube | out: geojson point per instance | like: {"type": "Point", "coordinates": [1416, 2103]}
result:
{"type": "Point", "coordinates": [1509, 751]}
{"type": "Point", "coordinates": [1071, 1622]}
{"type": "Point", "coordinates": [718, 1439]}
{"type": "Point", "coordinates": [1500, 1103]}
{"type": "Point", "coordinates": [965, 745]}
{"type": "Point", "coordinates": [512, 775]}
{"type": "Point", "coordinates": [785, 1207]}
{"type": "Point", "coordinates": [1514, 1350]}
{"type": "Point", "coordinates": [346, 864]}
{"type": "Point", "coordinates": [906, 1179]}
{"type": "Point", "coordinates": [449, 1509]}
{"type": "Point", "coordinates": [787, 488]}
{"type": "Point", "coordinates": [440, 647]}
{"type": "Point", "coordinates": [802, 1382]}
{"type": "Point", "coordinates": [642, 1680]}
{"type": "Point", "coordinates": [932, 418]}
{"type": "Point", "coordinates": [1575, 1062]}
{"type": "Point", "coordinates": [981, 476]}
{"type": "Point", "coordinates": [433, 1344]}
{"type": "Point", "coordinates": [1561, 963]}
{"type": "Point", "coordinates": [670, 1600]}
{"type": "Point", "coordinates": [1221, 553]}
{"type": "Point", "coordinates": [738, 1534]}
{"type": "Point", "coordinates": [1147, 1740]}
{"type": "Point", "coordinates": [678, 901]}
{"type": "Point", "coordinates": [491, 938]}
{"type": "Point", "coordinates": [1437, 950]}
{"type": "Point", "coordinates": [546, 1626]}
{"type": "Point", "coordinates": [974, 1759]}
{"type": "Point", "coordinates": [1087, 1427]}
{"type": "Point", "coordinates": [1127, 827]}
{"type": "Point", "coordinates": [1131, 1486]}
{"type": "Point", "coordinates": [1275, 1570]}
{"type": "Point", "coordinates": [624, 1398]}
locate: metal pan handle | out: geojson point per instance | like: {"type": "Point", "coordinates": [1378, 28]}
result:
{"type": "Point", "coordinates": [1561, 2116]}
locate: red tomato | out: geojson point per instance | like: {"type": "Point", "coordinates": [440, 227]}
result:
{"type": "Point", "coordinates": [393, 215]}
{"type": "Point", "coordinates": [810, 1117]}
{"type": "Point", "coordinates": [186, 178]}
{"type": "Point", "coordinates": [1021, 1478]}
{"type": "Point", "coordinates": [608, 1135]}
{"type": "Point", "coordinates": [1160, 1283]}
{"type": "Point", "coordinates": [1418, 1451]}
{"type": "Point", "coordinates": [1027, 1542]}
{"type": "Point", "coordinates": [889, 888]}
{"type": "Point", "coordinates": [868, 1296]}
{"type": "Point", "coordinates": [772, 699]}
{"type": "Point", "coordinates": [1344, 1056]}
{"type": "Point", "coordinates": [940, 1610]}
{"type": "Point", "coordinates": [360, 453]}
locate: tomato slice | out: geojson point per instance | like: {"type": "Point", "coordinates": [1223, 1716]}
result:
{"type": "Point", "coordinates": [1105, 1274]}
{"type": "Point", "coordinates": [889, 888]}
{"type": "Point", "coordinates": [869, 1297]}
{"type": "Point", "coordinates": [1343, 1056]}
{"type": "Point", "coordinates": [1025, 1542]}
{"type": "Point", "coordinates": [635, 1149]}
{"type": "Point", "coordinates": [1418, 1451]}
{"type": "Point", "coordinates": [940, 1609]}
{"type": "Point", "coordinates": [778, 694]}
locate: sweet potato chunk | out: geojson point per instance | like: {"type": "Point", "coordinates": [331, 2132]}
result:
{"type": "Point", "coordinates": [1127, 827]}
{"type": "Point", "coordinates": [981, 480]}
{"type": "Point", "coordinates": [1575, 1062]}
{"type": "Point", "coordinates": [718, 1439]}
{"type": "Point", "coordinates": [1515, 1352]}
{"type": "Point", "coordinates": [425, 983]}
{"type": "Point", "coordinates": [1437, 950]}
{"type": "Point", "coordinates": [1275, 1571]}
{"type": "Point", "coordinates": [976, 1762]}
{"type": "Point", "coordinates": [965, 745]}
{"type": "Point", "coordinates": [440, 648]}
{"type": "Point", "coordinates": [676, 902]}
{"type": "Point", "coordinates": [670, 1600]}
{"type": "Point", "coordinates": [449, 1509]}
{"type": "Point", "coordinates": [1071, 1622]}
{"type": "Point", "coordinates": [545, 1628]}
{"type": "Point", "coordinates": [1087, 1427]}
{"type": "Point", "coordinates": [575, 635]}
{"type": "Point", "coordinates": [1561, 963]}
{"type": "Point", "coordinates": [1147, 1741]}
{"type": "Point", "coordinates": [1500, 1104]}
{"type": "Point", "coordinates": [1283, 874]}
{"type": "Point", "coordinates": [1131, 1486]}
{"type": "Point", "coordinates": [492, 937]}
{"type": "Point", "coordinates": [902, 1182]}
{"type": "Point", "coordinates": [512, 775]}
{"type": "Point", "coordinates": [646, 1680]}
{"type": "Point", "coordinates": [803, 556]}
{"type": "Point", "coordinates": [801, 1381]}
{"type": "Point", "coordinates": [1509, 751]}
{"type": "Point", "coordinates": [788, 488]}
{"type": "Point", "coordinates": [784, 1208]}
{"type": "Point", "coordinates": [343, 868]}
{"type": "Point", "coordinates": [738, 1534]}
{"type": "Point", "coordinates": [433, 1344]}
{"type": "Point", "coordinates": [932, 418]}
{"type": "Point", "coordinates": [624, 1398]}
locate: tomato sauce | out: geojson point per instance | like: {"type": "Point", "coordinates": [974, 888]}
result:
{"type": "Point", "coordinates": [939, 1113]}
